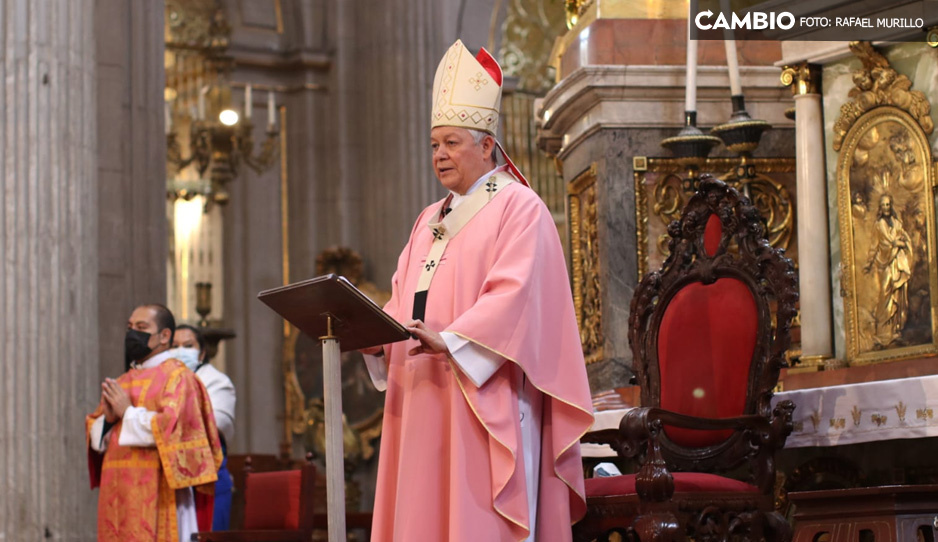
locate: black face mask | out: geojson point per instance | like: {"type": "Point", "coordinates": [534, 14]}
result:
{"type": "Point", "coordinates": [135, 346]}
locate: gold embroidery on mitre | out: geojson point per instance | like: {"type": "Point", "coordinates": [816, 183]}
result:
{"type": "Point", "coordinates": [464, 92]}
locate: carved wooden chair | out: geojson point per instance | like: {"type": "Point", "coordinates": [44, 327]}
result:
{"type": "Point", "coordinates": [709, 333]}
{"type": "Point", "coordinates": [278, 505]}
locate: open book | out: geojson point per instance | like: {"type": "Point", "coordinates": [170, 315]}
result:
{"type": "Point", "coordinates": [356, 320]}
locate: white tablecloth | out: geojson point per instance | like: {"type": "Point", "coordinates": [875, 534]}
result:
{"type": "Point", "coordinates": [839, 415]}
{"type": "Point", "coordinates": [866, 412]}
{"type": "Point", "coordinates": [605, 419]}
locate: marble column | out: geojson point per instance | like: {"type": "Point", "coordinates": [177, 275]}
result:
{"type": "Point", "coordinates": [48, 271]}
{"type": "Point", "coordinates": [813, 257]}
{"type": "Point", "coordinates": [131, 181]}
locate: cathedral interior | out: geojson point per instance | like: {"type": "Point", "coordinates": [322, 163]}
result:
{"type": "Point", "coordinates": [197, 152]}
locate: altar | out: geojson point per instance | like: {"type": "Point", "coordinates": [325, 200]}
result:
{"type": "Point", "coordinates": [838, 415]}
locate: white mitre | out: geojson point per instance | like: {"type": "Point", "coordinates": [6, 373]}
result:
{"type": "Point", "coordinates": [467, 90]}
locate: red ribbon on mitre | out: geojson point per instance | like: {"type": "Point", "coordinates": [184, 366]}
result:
{"type": "Point", "coordinates": [491, 65]}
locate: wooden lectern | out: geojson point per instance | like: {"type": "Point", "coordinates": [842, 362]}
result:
{"type": "Point", "coordinates": [343, 318]}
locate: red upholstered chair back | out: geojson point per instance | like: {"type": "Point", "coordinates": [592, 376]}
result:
{"type": "Point", "coordinates": [279, 499]}
{"type": "Point", "coordinates": [709, 331]}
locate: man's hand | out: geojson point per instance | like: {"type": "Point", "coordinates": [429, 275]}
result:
{"type": "Point", "coordinates": [115, 395]}
{"type": "Point", "coordinates": [430, 341]}
{"type": "Point", "coordinates": [109, 415]}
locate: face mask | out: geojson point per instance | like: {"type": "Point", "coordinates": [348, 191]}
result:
{"type": "Point", "coordinates": [189, 356]}
{"type": "Point", "coordinates": [136, 346]}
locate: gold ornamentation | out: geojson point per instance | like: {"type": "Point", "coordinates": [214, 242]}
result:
{"type": "Point", "coordinates": [924, 413]}
{"type": "Point", "coordinates": [878, 84]}
{"type": "Point", "coordinates": [771, 197]}
{"type": "Point", "coordinates": [815, 362]}
{"type": "Point", "coordinates": [296, 415]}
{"type": "Point", "coordinates": [670, 198]}
{"type": "Point", "coordinates": [774, 203]}
{"type": "Point", "coordinates": [803, 78]}
{"type": "Point", "coordinates": [887, 238]}
{"type": "Point", "coordinates": [878, 419]}
{"type": "Point", "coordinates": [587, 289]}
{"type": "Point", "coordinates": [574, 9]}
{"type": "Point", "coordinates": [641, 230]}
{"type": "Point", "coordinates": [815, 419]}
{"type": "Point", "coordinates": [856, 413]}
{"type": "Point", "coordinates": [196, 23]}
{"type": "Point", "coordinates": [838, 423]}
{"type": "Point", "coordinates": [528, 34]}
{"type": "Point", "coordinates": [900, 410]}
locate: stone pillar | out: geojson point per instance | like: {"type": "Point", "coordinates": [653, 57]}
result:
{"type": "Point", "coordinates": [48, 271]}
{"type": "Point", "coordinates": [813, 257]}
{"type": "Point", "coordinates": [131, 167]}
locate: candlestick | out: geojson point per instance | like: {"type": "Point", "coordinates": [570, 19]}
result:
{"type": "Point", "coordinates": [729, 42]}
{"type": "Point", "coordinates": [732, 65]}
{"type": "Point", "coordinates": [270, 109]}
{"type": "Point", "coordinates": [690, 91]}
{"type": "Point", "coordinates": [201, 92]}
{"type": "Point", "coordinates": [248, 102]}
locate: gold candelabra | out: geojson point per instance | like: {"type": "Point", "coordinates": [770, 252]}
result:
{"type": "Point", "coordinates": [219, 149]}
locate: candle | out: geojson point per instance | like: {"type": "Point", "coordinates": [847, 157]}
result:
{"type": "Point", "coordinates": [248, 105]}
{"type": "Point", "coordinates": [690, 89]}
{"type": "Point", "coordinates": [731, 63]}
{"type": "Point", "coordinates": [270, 108]}
{"type": "Point", "coordinates": [167, 119]}
{"type": "Point", "coordinates": [201, 92]}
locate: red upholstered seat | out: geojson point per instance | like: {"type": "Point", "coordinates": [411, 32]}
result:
{"type": "Point", "coordinates": [272, 500]}
{"type": "Point", "coordinates": [684, 482]}
{"type": "Point", "coordinates": [708, 333]}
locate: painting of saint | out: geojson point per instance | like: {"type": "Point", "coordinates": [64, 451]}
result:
{"type": "Point", "coordinates": [886, 215]}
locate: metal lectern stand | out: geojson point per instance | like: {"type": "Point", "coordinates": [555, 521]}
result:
{"type": "Point", "coordinates": [335, 460]}
{"type": "Point", "coordinates": [343, 318]}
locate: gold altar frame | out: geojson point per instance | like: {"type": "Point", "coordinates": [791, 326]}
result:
{"type": "Point", "coordinates": [722, 168]}
{"type": "Point", "coordinates": [585, 263]}
{"type": "Point", "coordinates": [857, 288]}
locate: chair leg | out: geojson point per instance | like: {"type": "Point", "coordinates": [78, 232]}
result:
{"type": "Point", "coordinates": [658, 526]}
{"type": "Point", "coordinates": [777, 528]}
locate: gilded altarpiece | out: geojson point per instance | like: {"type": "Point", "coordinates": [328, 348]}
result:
{"type": "Point", "coordinates": [662, 188]}
{"type": "Point", "coordinates": [886, 210]}
{"type": "Point", "coordinates": [584, 254]}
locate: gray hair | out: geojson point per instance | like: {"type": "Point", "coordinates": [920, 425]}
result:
{"type": "Point", "coordinates": [479, 135]}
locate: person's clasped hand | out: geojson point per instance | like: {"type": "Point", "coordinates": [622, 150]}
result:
{"type": "Point", "coordinates": [116, 400]}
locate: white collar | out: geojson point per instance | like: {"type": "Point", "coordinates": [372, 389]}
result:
{"type": "Point", "coordinates": [458, 198]}
{"type": "Point", "coordinates": [155, 361]}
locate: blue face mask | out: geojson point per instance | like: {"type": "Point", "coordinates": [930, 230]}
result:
{"type": "Point", "coordinates": [189, 356]}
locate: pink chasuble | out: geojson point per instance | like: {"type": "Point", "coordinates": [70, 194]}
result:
{"type": "Point", "coordinates": [451, 465]}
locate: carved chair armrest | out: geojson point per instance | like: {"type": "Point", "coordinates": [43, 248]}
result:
{"type": "Point", "coordinates": [641, 428]}
{"type": "Point", "coordinates": [602, 436]}
{"type": "Point", "coordinates": [708, 424]}
{"type": "Point", "coordinates": [781, 424]}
